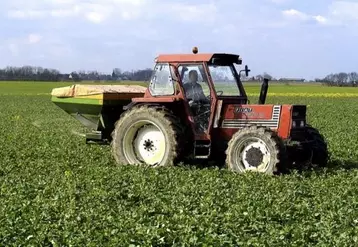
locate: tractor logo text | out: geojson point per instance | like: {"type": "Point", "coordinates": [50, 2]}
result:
{"type": "Point", "coordinates": [242, 110]}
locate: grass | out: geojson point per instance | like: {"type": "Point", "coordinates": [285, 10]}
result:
{"type": "Point", "coordinates": [57, 191]}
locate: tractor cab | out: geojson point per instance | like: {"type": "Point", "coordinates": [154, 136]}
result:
{"type": "Point", "coordinates": [200, 82]}
{"type": "Point", "coordinates": [216, 73]}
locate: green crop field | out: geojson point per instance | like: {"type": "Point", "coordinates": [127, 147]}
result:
{"type": "Point", "coordinates": [57, 191]}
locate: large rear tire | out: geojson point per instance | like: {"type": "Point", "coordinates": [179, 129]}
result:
{"type": "Point", "coordinates": [147, 136]}
{"type": "Point", "coordinates": [254, 149]}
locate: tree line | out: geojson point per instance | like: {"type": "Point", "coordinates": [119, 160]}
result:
{"type": "Point", "coordinates": [32, 73]}
{"type": "Point", "coordinates": [340, 79]}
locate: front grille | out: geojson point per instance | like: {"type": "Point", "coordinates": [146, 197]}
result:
{"type": "Point", "coordinates": [298, 123]}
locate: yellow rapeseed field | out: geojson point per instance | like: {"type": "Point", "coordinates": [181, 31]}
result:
{"type": "Point", "coordinates": [328, 95]}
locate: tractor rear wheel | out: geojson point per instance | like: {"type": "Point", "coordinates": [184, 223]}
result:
{"type": "Point", "coordinates": [147, 136]}
{"type": "Point", "coordinates": [254, 149]}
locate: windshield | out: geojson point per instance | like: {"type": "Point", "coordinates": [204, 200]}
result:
{"type": "Point", "coordinates": [224, 80]}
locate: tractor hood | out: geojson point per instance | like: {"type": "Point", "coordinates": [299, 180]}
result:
{"type": "Point", "coordinates": [280, 118]}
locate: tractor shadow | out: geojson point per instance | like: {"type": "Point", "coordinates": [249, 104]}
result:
{"type": "Point", "coordinates": [332, 167]}
{"type": "Point", "coordinates": [201, 164]}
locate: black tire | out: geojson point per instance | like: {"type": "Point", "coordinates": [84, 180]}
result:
{"type": "Point", "coordinates": [166, 123]}
{"type": "Point", "coordinates": [320, 154]}
{"type": "Point", "coordinates": [241, 140]}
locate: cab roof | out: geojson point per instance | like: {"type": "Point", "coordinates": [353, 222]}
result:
{"type": "Point", "coordinates": [202, 57]}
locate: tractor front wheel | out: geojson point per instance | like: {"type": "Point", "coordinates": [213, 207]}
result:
{"type": "Point", "coordinates": [147, 136]}
{"type": "Point", "coordinates": [253, 149]}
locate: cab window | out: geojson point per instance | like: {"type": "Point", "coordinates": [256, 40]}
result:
{"type": "Point", "coordinates": [161, 82]}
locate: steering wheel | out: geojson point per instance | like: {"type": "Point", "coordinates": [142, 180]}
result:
{"type": "Point", "coordinates": [200, 102]}
{"type": "Point", "coordinates": [205, 108]}
{"type": "Point", "coordinates": [202, 113]}
{"type": "Point", "coordinates": [221, 93]}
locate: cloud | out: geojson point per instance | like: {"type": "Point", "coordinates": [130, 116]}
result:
{"type": "Point", "coordinates": [344, 13]}
{"type": "Point", "coordinates": [26, 14]}
{"type": "Point", "coordinates": [320, 19]}
{"type": "Point", "coordinates": [280, 1]}
{"type": "Point", "coordinates": [63, 13]}
{"type": "Point", "coordinates": [192, 12]}
{"type": "Point", "coordinates": [339, 13]}
{"type": "Point", "coordinates": [94, 17]}
{"type": "Point", "coordinates": [88, 34]}
{"type": "Point", "coordinates": [293, 14]}
{"type": "Point", "coordinates": [108, 9]}
{"type": "Point", "coordinates": [34, 38]}
{"type": "Point", "coordinates": [89, 10]}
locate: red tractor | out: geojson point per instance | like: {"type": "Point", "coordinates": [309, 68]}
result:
{"type": "Point", "coordinates": [169, 123]}
{"type": "Point", "coordinates": [196, 106]}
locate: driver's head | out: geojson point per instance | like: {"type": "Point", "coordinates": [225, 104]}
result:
{"type": "Point", "coordinates": [193, 76]}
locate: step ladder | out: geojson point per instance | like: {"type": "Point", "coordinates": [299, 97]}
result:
{"type": "Point", "coordinates": [202, 149]}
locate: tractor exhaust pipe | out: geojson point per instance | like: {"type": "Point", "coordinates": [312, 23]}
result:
{"type": "Point", "coordinates": [263, 93]}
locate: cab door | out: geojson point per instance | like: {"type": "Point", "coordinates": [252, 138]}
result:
{"type": "Point", "coordinates": [200, 113]}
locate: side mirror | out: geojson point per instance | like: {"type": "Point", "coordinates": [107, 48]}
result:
{"type": "Point", "coordinates": [247, 70]}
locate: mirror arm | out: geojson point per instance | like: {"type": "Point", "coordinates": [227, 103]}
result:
{"type": "Point", "coordinates": [246, 70]}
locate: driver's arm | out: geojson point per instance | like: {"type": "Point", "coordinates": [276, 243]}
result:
{"type": "Point", "coordinates": [201, 94]}
{"type": "Point", "coordinates": [186, 91]}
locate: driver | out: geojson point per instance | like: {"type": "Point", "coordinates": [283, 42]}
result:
{"type": "Point", "coordinates": [193, 90]}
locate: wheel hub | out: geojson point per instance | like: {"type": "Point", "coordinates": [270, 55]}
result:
{"type": "Point", "coordinates": [254, 156]}
{"type": "Point", "coordinates": [148, 145]}
{"type": "Point", "coordinates": [144, 142]}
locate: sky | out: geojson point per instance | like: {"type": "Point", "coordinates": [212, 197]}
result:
{"type": "Point", "coordinates": [284, 38]}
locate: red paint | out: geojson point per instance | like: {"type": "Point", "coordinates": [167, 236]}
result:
{"type": "Point", "coordinates": [157, 99]}
{"type": "Point", "coordinates": [285, 121]}
{"type": "Point", "coordinates": [172, 58]}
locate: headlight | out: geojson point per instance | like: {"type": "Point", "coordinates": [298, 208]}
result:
{"type": "Point", "coordinates": [298, 123]}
